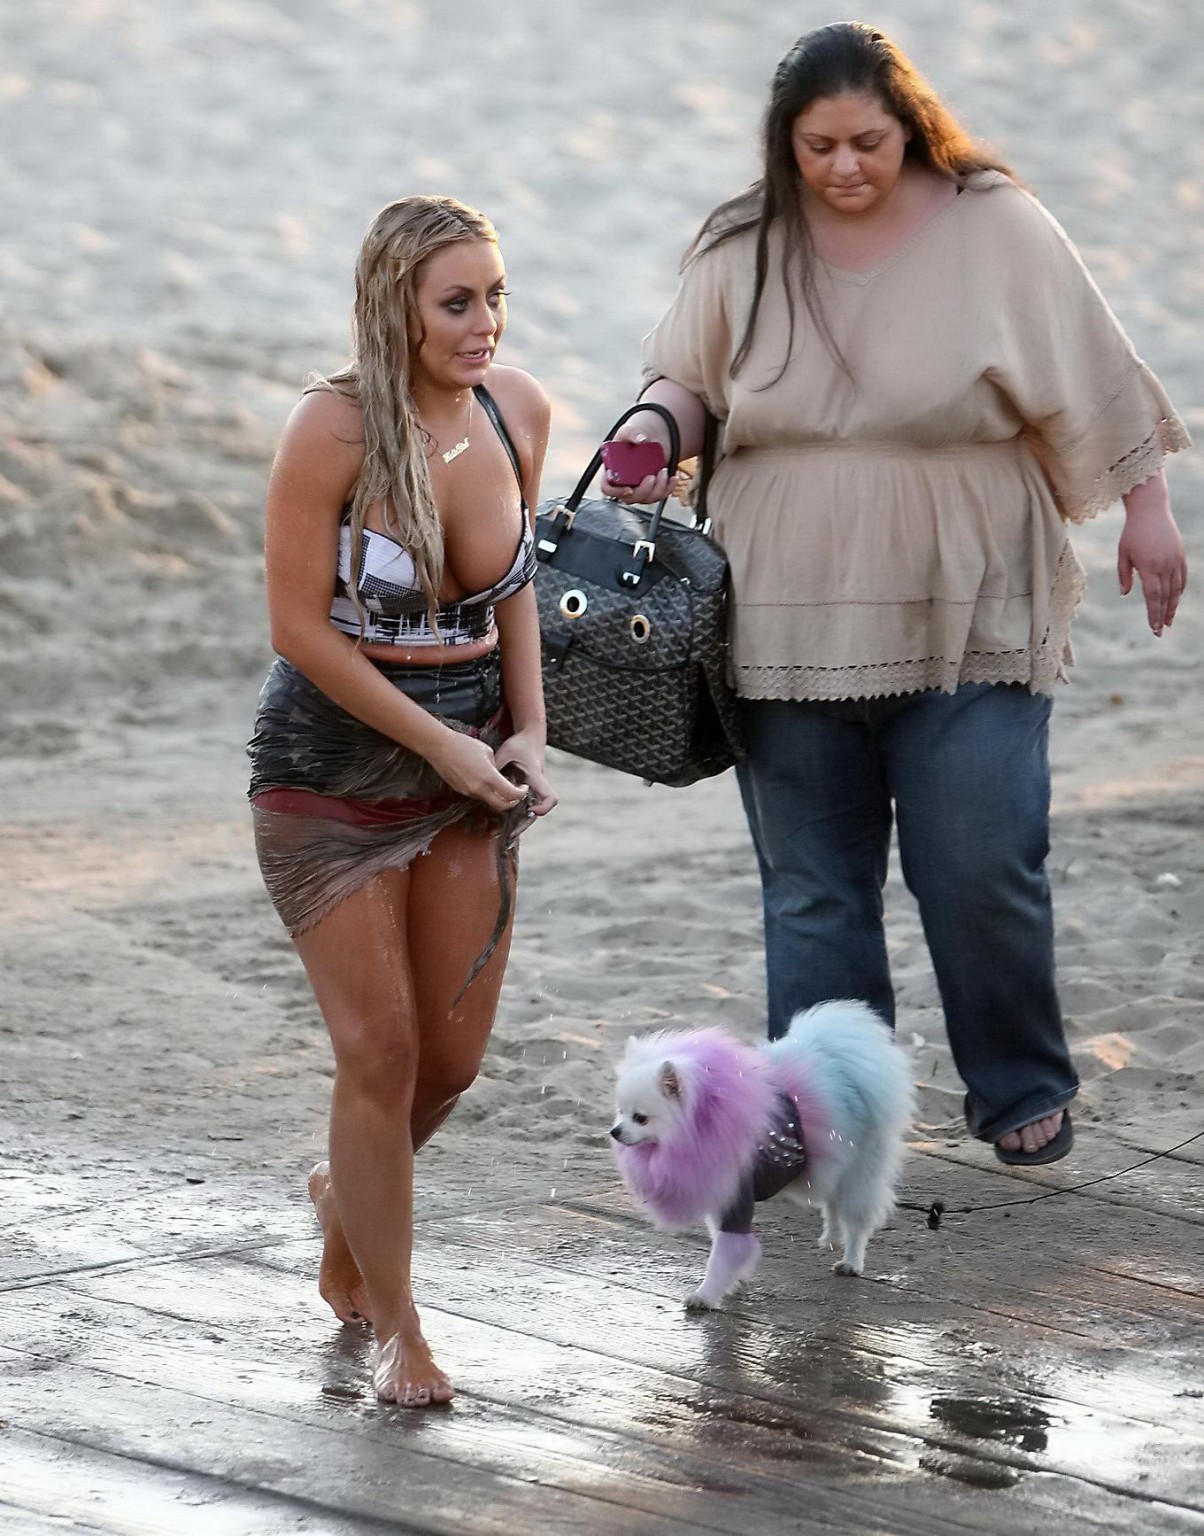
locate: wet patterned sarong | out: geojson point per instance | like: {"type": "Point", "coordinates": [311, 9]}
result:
{"type": "Point", "coordinates": [336, 803]}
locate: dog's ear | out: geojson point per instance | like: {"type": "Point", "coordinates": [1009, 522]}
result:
{"type": "Point", "coordinates": [668, 1081]}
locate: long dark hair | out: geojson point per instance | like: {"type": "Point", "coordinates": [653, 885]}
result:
{"type": "Point", "coordinates": [847, 57]}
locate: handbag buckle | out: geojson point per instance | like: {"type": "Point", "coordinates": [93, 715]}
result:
{"type": "Point", "coordinates": [642, 551]}
{"type": "Point", "coordinates": [556, 645]}
{"type": "Point", "coordinates": [548, 547]}
{"type": "Point", "coordinates": [562, 511]}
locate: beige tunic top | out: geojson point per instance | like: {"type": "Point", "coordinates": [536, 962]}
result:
{"type": "Point", "coordinates": [905, 528]}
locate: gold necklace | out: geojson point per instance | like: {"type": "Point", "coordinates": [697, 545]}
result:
{"type": "Point", "coordinates": [458, 449]}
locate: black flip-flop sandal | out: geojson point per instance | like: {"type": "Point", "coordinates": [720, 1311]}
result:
{"type": "Point", "coordinates": [1049, 1153]}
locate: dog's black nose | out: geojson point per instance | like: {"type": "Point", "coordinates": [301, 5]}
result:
{"type": "Point", "coordinates": [614, 1131]}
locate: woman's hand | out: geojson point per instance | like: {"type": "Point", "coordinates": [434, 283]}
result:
{"type": "Point", "coordinates": [644, 429]}
{"type": "Point", "coordinates": [523, 755]}
{"type": "Point", "coordinates": [471, 768]}
{"type": "Point", "coordinates": [1150, 545]}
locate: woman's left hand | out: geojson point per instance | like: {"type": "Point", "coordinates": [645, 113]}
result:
{"type": "Point", "coordinates": [525, 751]}
{"type": "Point", "coordinates": [1151, 546]}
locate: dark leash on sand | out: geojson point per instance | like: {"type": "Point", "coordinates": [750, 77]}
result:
{"type": "Point", "coordinates": [934, 1211]}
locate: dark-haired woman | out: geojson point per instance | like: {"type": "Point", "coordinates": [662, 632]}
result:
{"type": "Point", "coordinates": [919, 384]}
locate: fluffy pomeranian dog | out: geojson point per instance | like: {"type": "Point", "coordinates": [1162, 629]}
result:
{"type": "Point", "coordinates": [708, 1126]}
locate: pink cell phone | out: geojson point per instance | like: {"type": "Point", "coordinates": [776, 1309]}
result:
{"type": "Point", "coordinates": [629, 463]}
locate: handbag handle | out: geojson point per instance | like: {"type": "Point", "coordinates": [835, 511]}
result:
{"type": "Point", "coordinates": [706, 468]}
{"type": "Point", "coordinates": [595, 464]}
{"type": "Point", "coordinates": [643, 549]}
{"type": "Point", "coordinates": [706, 461]}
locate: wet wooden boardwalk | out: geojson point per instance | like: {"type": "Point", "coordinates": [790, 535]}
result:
{"type": "Point", "coordinates": [165, 1367]}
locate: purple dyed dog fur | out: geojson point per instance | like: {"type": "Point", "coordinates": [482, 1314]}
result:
{"type": "Point", "coordinates": [728, 1096]}
{"type": "Point", "coordinates": [726, 1101]}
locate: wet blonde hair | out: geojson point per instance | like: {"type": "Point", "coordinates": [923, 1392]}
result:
{"type": "Point", "coordinates": [386, 335]}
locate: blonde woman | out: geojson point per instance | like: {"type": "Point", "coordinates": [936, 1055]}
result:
{"type": "Point", "coordinates": [404, 717]}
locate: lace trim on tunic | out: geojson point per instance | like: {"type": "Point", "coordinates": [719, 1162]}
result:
{"type": "Point", "coordinates": [1039, 669]}
{"type": "Point", "coordinates": [1131, 469]}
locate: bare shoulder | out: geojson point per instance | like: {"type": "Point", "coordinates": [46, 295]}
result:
{"type": "Point", "coordinates": [329, 419]}
{"type": "Point", "coordinates": [522, 400]}
{"type": "Point", "coordinates": [321, 449]}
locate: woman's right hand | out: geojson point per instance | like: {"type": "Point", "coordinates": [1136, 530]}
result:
{"type": "Point", "coordinates": [468, 767]}
{"type": "Point", "coordinates": [643, 429]}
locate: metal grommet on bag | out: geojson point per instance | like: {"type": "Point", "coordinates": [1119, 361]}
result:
{"type": "Point", "coordinates": [573, 603]}
{"type": "Point", "coordinates": [641, 628]}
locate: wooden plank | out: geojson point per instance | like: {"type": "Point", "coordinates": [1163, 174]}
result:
{"type": "Point", "coordinates": [219, 1213]}
{"type": "Point", "coordinates": [953, 1318]}
{"type": "Point", "coordinates": [47, 1482]}
{"type": "Point", "coordinates": [837, 1338]}
{"type": "Point", "coordinates": [1151, 1256]}
{"type": "Point", "coordinates": [786, 1361]}
{"type": "Point", "coordinates": [611, 1241]}
{"type": "Point", "coordinates": [821, 1445]}
{"type": "Point", "coordinates": [378, 1474]}
{"type": "Point", "coordinates": [160, 1221]}
{"type": "Point", "coordinates": [15, 1521]}
{"type": "Point", "coordinates": [1110, 1172]}
{"type": "Point", "coordinates": [88, 1224]}
{"type": "Point", "coordinates": [27, 1196]}
{"type": "Point", "coordinates": [253, 1372]}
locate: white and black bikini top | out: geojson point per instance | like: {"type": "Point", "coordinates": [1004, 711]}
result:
{"type": "Point", "coordinates": [393, 602]}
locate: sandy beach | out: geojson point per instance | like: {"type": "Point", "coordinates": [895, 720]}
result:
{"type": "Point", "coordinates": [184, 188]}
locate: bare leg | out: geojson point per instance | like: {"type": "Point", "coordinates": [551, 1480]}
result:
{"type": "Point", "coordinates": [358, 964]}
{"type": "Point", "coordinates": [452, 1041]}
{"type": "Point", "coordinates": [402, 1058]}
{"type": "Point", "coordinates": [340, 1283]}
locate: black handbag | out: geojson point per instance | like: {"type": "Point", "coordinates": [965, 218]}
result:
{"type": "Point", "coordinates": [633, 626]}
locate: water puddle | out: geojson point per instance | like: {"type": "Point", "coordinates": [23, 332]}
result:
{"type": "Point", "coordinates": [1004, 1420]}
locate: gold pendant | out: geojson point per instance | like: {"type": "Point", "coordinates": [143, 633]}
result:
{"type": "Point", "coordinates": [454, 453]}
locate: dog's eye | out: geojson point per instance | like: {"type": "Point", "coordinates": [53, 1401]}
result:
{"type": "Point", "coordinates": [640, 1119]}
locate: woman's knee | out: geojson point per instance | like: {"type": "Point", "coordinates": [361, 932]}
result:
{"type": "Point", "coordinates": [1000, 895]}
{"type": "Point", "coordinates": [443, 1079]}
{"type": "Point", "coordinates": [990, 864]}
{"type": "Point", "coordinates": [377, 1055]}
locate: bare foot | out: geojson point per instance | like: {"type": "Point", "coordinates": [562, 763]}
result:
{"type": "Point", "coordinates": [1031, 1138]}
{"type": "Point", "coordinates": [339, 1281]}
{"type": "Point", "coordinates": [404, 1372]}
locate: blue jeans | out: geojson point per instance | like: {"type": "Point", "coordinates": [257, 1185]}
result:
{"type": "Point", "coordinates": [968, 776]}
